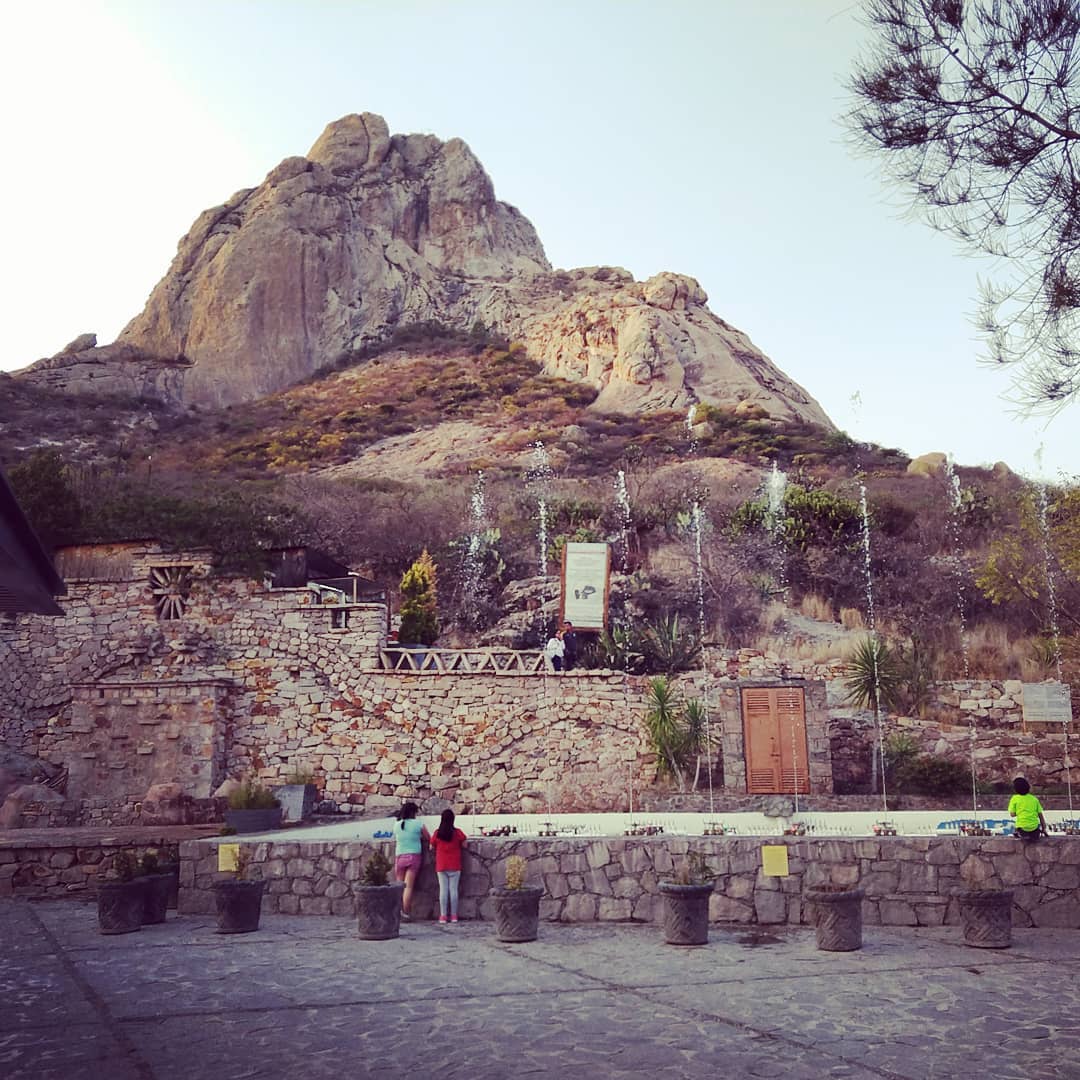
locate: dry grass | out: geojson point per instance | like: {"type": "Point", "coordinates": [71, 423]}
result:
{"type": "Point", "coordinates": [817, 607]}
{"type": "Point", "coordinates": [852, 619]}
{"type": "Point", "coordinates": [815, 652]}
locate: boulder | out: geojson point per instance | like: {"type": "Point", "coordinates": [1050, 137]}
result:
{"type": "Point", "coordinates": [928, 465]}
{"type": "Point", "coordinates": [28, 795]}
{"type": "Point", "coordinates": [165, 804]}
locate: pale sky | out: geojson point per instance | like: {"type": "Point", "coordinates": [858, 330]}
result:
{"type": "Point", "coordinates": [699, 136]}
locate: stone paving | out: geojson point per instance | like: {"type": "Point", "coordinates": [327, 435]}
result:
{"type": "Point", "coordinates": [307, 998]}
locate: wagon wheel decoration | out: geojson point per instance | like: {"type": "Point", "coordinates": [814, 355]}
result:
{"type": "Point", "coordinates": [171, 586]}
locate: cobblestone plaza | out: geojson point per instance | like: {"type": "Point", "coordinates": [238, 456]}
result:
{"type": "Point", "coordinates": [305, 997]}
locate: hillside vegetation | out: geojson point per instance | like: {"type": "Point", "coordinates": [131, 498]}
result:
{"type": "Point", "coordinates": [360, 461]}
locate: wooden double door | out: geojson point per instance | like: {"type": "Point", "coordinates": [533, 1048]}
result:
{"type": "Point", "coordinates": [774, 738]}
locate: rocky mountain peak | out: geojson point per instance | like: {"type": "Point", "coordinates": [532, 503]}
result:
{"type": "Point", "coordinates": [372, 230]}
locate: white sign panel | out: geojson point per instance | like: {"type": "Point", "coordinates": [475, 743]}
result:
{"type": "Point", "coordinates": [1047, 702]}
{"type": "Point", "coordinates": [585, 584]}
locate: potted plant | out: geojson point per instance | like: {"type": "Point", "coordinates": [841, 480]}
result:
{"type": "Point", "coordinates": [298, 794]}
{"type": "Point", "coordinates": [517, 905]}
{"type": "Point", "coordinates": [120, 896]}
{"type": "Point", "coordinates": [157, 886]}
{"type": "Point", "coordinates": [239, 898]}
{"type": "Point", "coordinates": [836, 913]}
{"type": "Point", "coordinates": [686, 902]}
{"type": "Point", "coordinates": [253, 808]}
{"type": "Point", "coordinates": [378, 900]}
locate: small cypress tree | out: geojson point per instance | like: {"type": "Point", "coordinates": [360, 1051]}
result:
{"type": "Point", "coordinates": [419, 615]}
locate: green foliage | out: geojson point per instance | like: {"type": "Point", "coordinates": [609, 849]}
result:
{"type": "Point", "coordinates": [929, 774]}
{"type": "Point", "coordinates": [376, 869]}
{"type": "Point", "coordinates": [667, 647]}
{"type": "Point", "coordinates": [675, 730]}
{"type": "Point", "coordinates": [1015, 568]}
{"type": "Point", "coordinates": [419, 614]}
{"type": "Point", "coordinates": [515, 872]}
{"type": "Point", "coordinates": [252, 796]}
{"type": "Point", "coordinates": [42, 485]}
{"type": "Point", "coordinates": [149, 864]}
{"type": "Point", "coordinates": [694, 870]}
{"type": "Point", "coordinates": [807, 517]}
{"type": "Point", "coordinates": [125, 866]}
{"type": "Point", "coordinates": [917, 665]}
{"type": "Point", "coordinates": [872, 675]}
{"type": "Point", "coordinates": [616, 649]}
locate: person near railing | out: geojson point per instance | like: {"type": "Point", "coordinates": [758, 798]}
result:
{"type": "Point", "coordinates": [555, 650]}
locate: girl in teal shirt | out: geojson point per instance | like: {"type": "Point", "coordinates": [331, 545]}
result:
{"type": "Point", "coordinates": [410, 836]}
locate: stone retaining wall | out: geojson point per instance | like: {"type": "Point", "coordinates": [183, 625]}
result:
{"type": "Point", "coordinates": [908, 880]}
{"type": "Point", "coordinates": [55, 863]}
{"type": "Point", "coordinates": [251, 680]}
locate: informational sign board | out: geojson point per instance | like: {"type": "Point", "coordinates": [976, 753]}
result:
{"type": "Point", "coordinates": [1047, 703]}
{"type": "Point", "coordinates": [585, 572]}
{"type": "Point", "coordinates": [227, 855]}
{"type": "Point", "coordinates": [774, 860]}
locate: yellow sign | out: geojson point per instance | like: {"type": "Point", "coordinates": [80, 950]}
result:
{"type": "Point", "coordinates": [774, 860]}
{"type": "Point", "coordinates": [227, 855]}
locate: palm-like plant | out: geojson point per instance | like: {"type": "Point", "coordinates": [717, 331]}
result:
{"type": "Point", "coordinates": [696, 736]}
{"type": "Point", "coordinates": [873, 679]}
{"type": "Point", "coordinates": [665, 729]}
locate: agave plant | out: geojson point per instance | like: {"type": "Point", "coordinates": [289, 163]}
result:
{"type": "Point", "coordinates": [873, 679]}
{"type": "Point", "coordinates": [669, 646]}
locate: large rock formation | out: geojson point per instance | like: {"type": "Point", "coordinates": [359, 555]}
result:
{"type": "Point", "coordinates": [370, 231]}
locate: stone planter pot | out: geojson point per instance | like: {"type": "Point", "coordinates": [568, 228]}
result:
{"type": "Point", "coordinates": [986, 915]}
{"type": "Point", "coordinates": [686, 913]}
{"type": "Point", "coordinates": [156, 891]}
{"type": "Point", "coordinates": [253, 821]}
{"type": "Point", "coordinates": [517, 913]}
{"type": "Point", "coordinates": [120, 906]}
{"type": "Point", "coordinates": [239, 905]}
{"type": "Point", "coordinates": [378, 911]}
{"type": "Point", "coordinates": [836, 913]}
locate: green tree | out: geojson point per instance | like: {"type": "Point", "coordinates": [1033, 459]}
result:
{"type": "Point", "coordinates": [676, 731]}
{"type": "Point", "coordinates": [1038, 559]}
{"type": "Point", "coordinates": [42, 484]}
{"type": "Point", "coordinates": [972, 105]}
{"type": "Point", "coordinates": [419, 609]}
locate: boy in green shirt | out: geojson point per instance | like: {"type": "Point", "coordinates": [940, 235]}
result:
{"type": "Point", "coordinates": [1028, 811]}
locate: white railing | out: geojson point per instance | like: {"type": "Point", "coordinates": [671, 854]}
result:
{"type": "Point", "coordinates": [464, 661]}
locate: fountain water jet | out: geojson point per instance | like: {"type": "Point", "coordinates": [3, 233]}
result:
{"type": "Point", "coordinates": [956, 505]}
{"type": "Point", "coordinates": [472, 568]}
{"type": "Point", "coordinates": [1055, 628]}
{"type": "Point", "coordinates": [871, 622]}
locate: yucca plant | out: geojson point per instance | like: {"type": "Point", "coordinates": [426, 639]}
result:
{"type": "Point", "coordinates": [664, 726]}
{"type": "Point", "coordinates": [669, 646]}
{"type": "Point", "coordinates": [873, 679]}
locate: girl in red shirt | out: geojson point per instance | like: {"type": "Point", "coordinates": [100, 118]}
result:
{"type": "Point", "coordinates": [447, 843]}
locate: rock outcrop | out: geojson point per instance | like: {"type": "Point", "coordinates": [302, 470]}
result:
{"type": "Point", "coordinates": [371, 231]}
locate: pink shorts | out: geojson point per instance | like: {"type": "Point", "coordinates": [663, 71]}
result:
{"type": "Point", "coordinates": [407, 862]}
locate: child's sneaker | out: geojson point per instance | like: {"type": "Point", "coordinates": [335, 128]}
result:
{"type": "Point", "coordinates": [453, 918]}
{"type": "Point", "coordinates": [442, 918]}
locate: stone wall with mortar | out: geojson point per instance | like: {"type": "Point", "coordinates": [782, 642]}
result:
{"type": "Point", "coordinates": [253, 680]}
{"type": "Point", "coordinates": [908, 880]}
{"type": "Point", "coordinates": [55, 863]}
